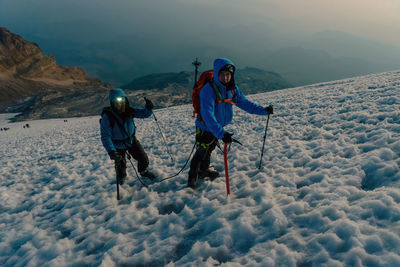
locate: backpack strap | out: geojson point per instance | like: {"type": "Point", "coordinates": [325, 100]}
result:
{"type": "Point", "coordinates": [107, 110]}
{"type": "Point", "coordinates": [219, 98]}
{"type": "Point", "coordinates": [216, 91]}
{"type": "Point", "coordinates": [114, 118]}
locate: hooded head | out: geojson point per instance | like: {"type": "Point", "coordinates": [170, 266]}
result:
{"type": "Point", "coordinates": [224, 64]}
{"type": "Point", "coordinates": [118, 100]}
{"type": "Point", "coordinates": [114, 93]}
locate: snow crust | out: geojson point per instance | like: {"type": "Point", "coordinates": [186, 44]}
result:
{"type": "Point", "coordinates": [328, 193]}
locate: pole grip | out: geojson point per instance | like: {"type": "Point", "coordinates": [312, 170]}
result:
{"type": "Point", "coordinates": [226, 169]}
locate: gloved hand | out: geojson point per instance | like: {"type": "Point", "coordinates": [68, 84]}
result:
{"type": "Point", "coordinates": [269, 109]}
{"type": "Point", "coordinates": [227, 138]}
{"type": "Point", "coordinates": [114, 155]}
{"type": "Point", "coordinates": [149, 105]}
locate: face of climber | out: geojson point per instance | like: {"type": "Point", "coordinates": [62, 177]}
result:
{"type": "Point", "coordinates": [225, 75]}
{"type": "Point", "coordinates": [119, 104]}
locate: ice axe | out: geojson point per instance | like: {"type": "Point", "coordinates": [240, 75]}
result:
{"type": "Point", "coordinates": [228, 191]}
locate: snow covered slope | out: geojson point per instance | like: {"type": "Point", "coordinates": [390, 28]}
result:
{"type": "Point", "coordinates": [329, 192]}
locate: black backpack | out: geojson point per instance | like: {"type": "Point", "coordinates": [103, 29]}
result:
{"type": "Point", "coordinates": [111, 118]}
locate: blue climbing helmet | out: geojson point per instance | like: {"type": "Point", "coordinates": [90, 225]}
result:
{"type": "Point", "coordinates": [116, 94]}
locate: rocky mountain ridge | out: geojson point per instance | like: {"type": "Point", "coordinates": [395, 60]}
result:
{"type": "Point", "coordinates": [26, 71]}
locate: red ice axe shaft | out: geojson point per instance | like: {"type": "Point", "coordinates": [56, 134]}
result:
{"type": "Point", "coordinates": [228, 191]}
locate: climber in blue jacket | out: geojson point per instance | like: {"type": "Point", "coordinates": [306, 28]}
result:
{"type": "Point", "coordinates": [118, 133]}
{"type": "Point", "coordinates": [216, 101]}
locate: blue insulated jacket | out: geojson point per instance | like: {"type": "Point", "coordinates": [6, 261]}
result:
{"type": "Point", "coordinates": [112, 136]}
{"type": "Point", "coordinates": [215, 117]}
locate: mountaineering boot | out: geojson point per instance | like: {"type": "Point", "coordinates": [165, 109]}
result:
{"type": "Point", "coordinates": [208, 173]}
{"type": "Point", "coordinates": [148, 174]}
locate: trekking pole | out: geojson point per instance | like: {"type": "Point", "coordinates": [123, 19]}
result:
{"type": "Point", "coordinates": [117, 187]}
{"type": "Point", "coordinates": [228, 191]}
{"type": "Point", "coordinates": [262, 150]}
{"type": "Point", "coordinates": [162, 135]}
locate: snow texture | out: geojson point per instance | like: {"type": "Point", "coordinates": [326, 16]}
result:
{"type": "Point", "coordinates": [328, 193]}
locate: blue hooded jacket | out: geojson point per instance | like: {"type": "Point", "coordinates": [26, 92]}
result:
{"type": "Point", "coordinates": [215, 117]}
{"type": "Point", "coordinates": [113, 137]}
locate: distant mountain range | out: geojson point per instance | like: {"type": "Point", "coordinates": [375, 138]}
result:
{"type": "Point", "coordinates": [34, 85]}
{"type": "Point", "coordinates": [167, 89]}
{"type": "Point", "coordinates": [250, 80]}
{"type": "Point", "coordinates": [302, 58]}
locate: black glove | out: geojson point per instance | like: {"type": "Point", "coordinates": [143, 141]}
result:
{"type": "Point", "coordinates": [149, 105]}
{"type": "Point", "coordinates": [269, 109]}
{"type": "Point", "coordinates": [227, 138]}
{"type": "Point", "coordinates": [114, 155]}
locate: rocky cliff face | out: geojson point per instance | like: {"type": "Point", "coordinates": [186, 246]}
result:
{"type": "Point", "coordinates": [25, 70]}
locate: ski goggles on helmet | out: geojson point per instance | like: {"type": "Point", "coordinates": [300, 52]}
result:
{"type": "Point", "coordinates": [118, 99]}
{"type": "Point", "coordinates": [230, 68]}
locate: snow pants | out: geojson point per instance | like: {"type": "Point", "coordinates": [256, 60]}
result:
{"type": "Point", "coordinates": [137, 152]}
{"type": "Point", "coordinates": [206, 143]}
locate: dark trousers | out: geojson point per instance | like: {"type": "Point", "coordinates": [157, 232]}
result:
{"type": "Point", "coordinates": [137, 152]}
{"type": "Point", "coordinates": [206, 143]}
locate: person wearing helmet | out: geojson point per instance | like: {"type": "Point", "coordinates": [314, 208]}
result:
{"type": "Point", "coordinates": [216, 100]}
{"type": "Point", "coordinates": [118, 133]}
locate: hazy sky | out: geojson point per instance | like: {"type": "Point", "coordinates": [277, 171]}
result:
{"type": "Point", "coordinates": [120, 39]}
{"type": "Point", "coordinates": [378, 20]}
